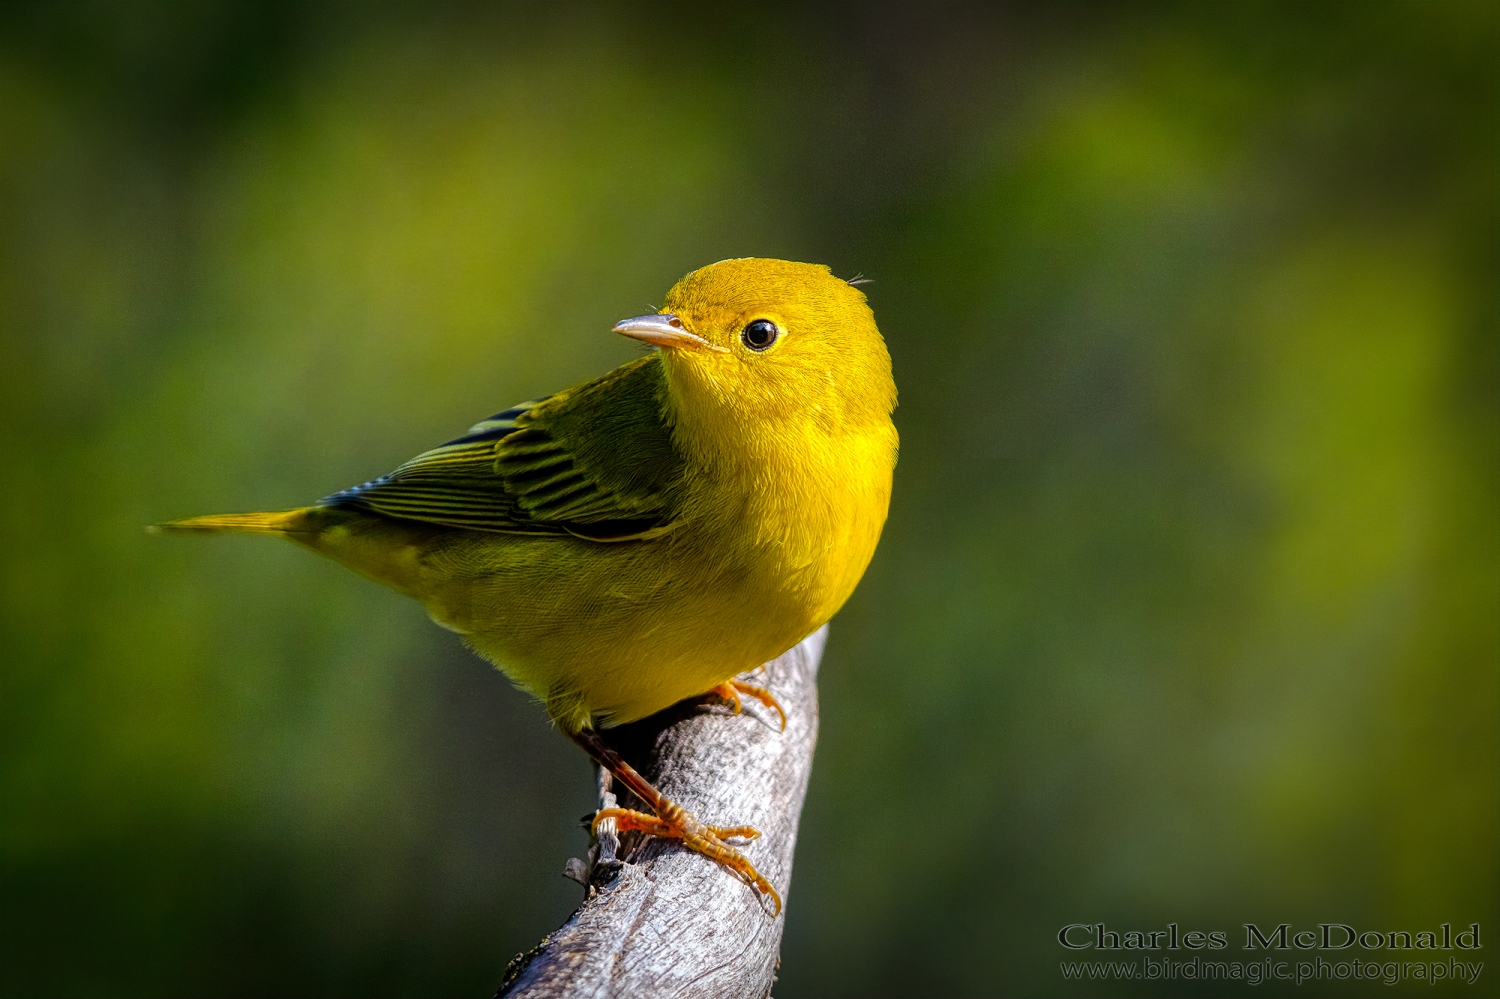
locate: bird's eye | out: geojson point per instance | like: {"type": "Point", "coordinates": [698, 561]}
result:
{"type": "Point", "coordinates": [760, 334]}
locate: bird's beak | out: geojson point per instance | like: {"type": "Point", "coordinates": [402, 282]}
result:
{"type": "Point", "coordinates": [664, 331]}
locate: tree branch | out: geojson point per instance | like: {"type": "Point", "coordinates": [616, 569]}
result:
{"type": "Point", "coordinates": [660, 920]}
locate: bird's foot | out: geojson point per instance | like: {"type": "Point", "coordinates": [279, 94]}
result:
{"type": "Point", "coordinates": [676, 823]}
{"type": "Point", "coordinates": [731, 691]}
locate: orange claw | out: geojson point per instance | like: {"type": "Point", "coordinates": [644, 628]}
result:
{"type": "Point", "coordinates": [676, 823]}
{"type": "Point", "coordinates": [671, 820]}
{"type": "Point", "coordinates": [730, 690]}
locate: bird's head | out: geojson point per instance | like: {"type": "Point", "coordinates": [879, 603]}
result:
{"type": "Point", "coordinates": [757, 343]}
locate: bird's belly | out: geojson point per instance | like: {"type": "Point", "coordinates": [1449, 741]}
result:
{"type": "Point", "coordinates": [612, 633]}
{"type": "Point", "coordinates": [609, 633]}
{"type": "Point", "coordinates": [633, 629]}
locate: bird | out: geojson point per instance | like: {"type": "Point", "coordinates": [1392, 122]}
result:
{"type": "Point", "coordinates": [648, 536]}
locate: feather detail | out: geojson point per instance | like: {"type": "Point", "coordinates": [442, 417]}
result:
{"type": "Point", "coordinates": [595, 462]}
{"type": "Point", "coordinates": [281, 522]}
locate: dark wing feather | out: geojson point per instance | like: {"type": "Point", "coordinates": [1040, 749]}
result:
{"type": "Point", "coordinates": [596, 461]}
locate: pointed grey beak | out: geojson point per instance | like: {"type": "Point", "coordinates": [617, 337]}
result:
{"type": "Point", "coordinates": [664, 331]}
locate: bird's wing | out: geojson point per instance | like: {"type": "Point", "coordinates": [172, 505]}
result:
{"type": "Point", "coordinates": [596, 461]}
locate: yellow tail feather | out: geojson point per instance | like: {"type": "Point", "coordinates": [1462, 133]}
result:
{"type": "Point", "coordinates": [280, 522]}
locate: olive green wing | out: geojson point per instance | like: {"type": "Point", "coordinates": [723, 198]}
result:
{"type": "Point", "coordinates": [596, 462]}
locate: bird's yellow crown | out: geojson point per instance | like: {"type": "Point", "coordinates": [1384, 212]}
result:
{"type": "Point", "coordinates": [784, 347]}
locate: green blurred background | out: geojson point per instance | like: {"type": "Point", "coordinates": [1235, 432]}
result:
{"type": "Point", "coordinates": [1186, 609]}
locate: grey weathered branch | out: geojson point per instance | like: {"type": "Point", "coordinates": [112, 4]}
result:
{"type": "Point", "coordinates": [659, 920]}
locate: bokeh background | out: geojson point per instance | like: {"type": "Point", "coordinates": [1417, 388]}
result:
{"type": "Point", "coordinates": [1187, 606]}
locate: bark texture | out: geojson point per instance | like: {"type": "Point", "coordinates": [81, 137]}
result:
{"type": "Point", "coordinates": [659, 920]}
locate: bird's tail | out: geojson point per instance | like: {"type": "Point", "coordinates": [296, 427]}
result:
{"type": "Point", "coordinates": [282, 522]}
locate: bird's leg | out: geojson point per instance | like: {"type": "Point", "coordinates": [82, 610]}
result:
{"type": "Point", "coordinates": [671, 819]}
{"type": "Point", "coordinates": [730, 690]}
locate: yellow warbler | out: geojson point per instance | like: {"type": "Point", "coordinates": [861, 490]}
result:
{"type": "Point", "coordinates": [645, 537]}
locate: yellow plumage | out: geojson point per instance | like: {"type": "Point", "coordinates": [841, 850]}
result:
{"type": "Point", "coordinates": [642, 538]}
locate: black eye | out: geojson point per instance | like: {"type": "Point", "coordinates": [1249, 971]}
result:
{"type": "Point", "coordinates": [760, 334]}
